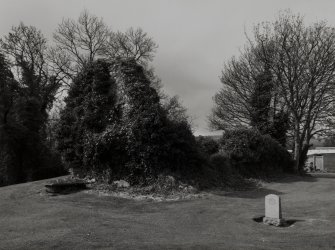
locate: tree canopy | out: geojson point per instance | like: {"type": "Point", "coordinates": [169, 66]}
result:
{"type": "Point", "coordinates": [80, 42]}
{"type": "Point", "coordinates": [300, 60]}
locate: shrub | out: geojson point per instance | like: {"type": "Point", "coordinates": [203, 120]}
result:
{"type": "Point", "coordinates": [218, 171]}
{"type": "Point", "coordinates": [253, 154]}
{"type": "Point", "coordinates": [181, 151]}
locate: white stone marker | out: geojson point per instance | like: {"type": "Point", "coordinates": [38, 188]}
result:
{"type": "Point", "coordinates": [273, 215]}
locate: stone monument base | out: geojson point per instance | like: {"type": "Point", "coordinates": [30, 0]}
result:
{"type": "Point", "coordinates": [273, 221]}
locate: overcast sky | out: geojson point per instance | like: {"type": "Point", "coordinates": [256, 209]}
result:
{"type": "Point", "coordinates": [195, 38]}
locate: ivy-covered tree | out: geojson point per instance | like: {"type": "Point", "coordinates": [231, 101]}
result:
{"type": "Point", "coordinates": [90, 108]}
{"type": "Point", "coordinates": [280, 126]}
{"type": "Point", "coordinates": [157, 140]}
{"type": "Point", "coordinates": [249, 98]}
{"type": "Point", "coordinates": [142, 119]}
{"type": "Point", "coordinates": [260, 102]}
{"type": "Point", "coordinates": [114, 126]}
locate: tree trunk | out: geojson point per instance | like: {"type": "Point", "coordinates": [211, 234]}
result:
{"type": "Point", "coordinates": [297, 148]}
{"type": "Point", "coordinates": [303, 157]}
{"type": "Point", "coordinates": [297, 153]}
{"type": "Point", "coordinates": [300, 153]}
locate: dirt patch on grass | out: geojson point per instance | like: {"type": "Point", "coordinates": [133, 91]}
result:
{"type": "Point", "coordinates": [165, 188]}
{"type": "Point", "coordinates": [168, 188]}
{"type": "Point", "coordinates": [137, 193]}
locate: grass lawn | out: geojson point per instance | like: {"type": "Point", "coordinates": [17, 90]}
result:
{"type": "Point", "coordinates": [30, 219]}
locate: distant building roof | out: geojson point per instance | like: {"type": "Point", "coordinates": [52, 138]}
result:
{"type": "Point", "coordinates": [321, 150]}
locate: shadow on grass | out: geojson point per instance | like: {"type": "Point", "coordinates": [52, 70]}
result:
{"type": "Point", "coordinates": [291, 178]}
{"type": "Point", "coordinates": [252, 194]}
{"type": "Point", "coordinates": [64, 188]}
{"type": "Point", "coordinates": [321, 175]}
{"type": "Point", "coordinates": [67, 191]}
{"type": "Point", "coordinates": [288, 223]}
{"type": "Point", "coordinates": [253, 188]}
{"type": "Point", "coordinates": [245, 188]}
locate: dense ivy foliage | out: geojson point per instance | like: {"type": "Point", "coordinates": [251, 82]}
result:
{"type": "Point", "coordinates": [114, 126]}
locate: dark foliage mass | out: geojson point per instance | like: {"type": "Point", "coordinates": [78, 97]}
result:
{"type": "Point", "coordinates": [89, 108]}
{"type": "Point", "coordinates": [23, 153]}
{"type": "Point", "coordinates": [207, 146]}
{"type": "Point", "coordinates": [253, 154]}
{"type": "Point", "coordinates": [114, 126]}
{"type": "Point", "coordinates": [118, 124]}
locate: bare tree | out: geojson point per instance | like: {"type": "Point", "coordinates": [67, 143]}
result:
{"type": "Point", "coordinates": [248, 93]}
{"type": "Point", "coordinates": [80, 42]}
{"type": "Point", "coordinates": [134, 43]}
{"type": "Point", "coordinates": [26, 46]}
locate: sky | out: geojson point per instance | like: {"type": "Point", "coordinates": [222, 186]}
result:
{"type": "Point", "coordinates": [195, 38]}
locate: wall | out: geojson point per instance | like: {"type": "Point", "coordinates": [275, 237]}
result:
{"type": "Point", "coordinates": [329, 162]}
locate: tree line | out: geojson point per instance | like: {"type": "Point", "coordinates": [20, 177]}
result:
{"type": "Point", "coordinates": [91, 102]}
{"type": "Point", "coordinates": [116, 118]}
{"type": "Point", "coordinates": [282, 84]}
